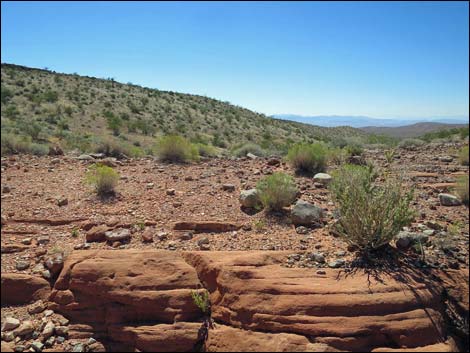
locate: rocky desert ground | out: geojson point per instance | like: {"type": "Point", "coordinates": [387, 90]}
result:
{"type": "Point", "coordinates": [85, 274]}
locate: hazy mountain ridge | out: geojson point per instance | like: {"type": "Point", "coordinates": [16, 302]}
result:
{"type": "Point", "coordinates": [367, 122]}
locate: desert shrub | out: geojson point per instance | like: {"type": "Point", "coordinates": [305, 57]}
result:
{"type": "Point", "coordinates": [175, 148]}
{"type": "Point", "coordinates": [12, 143]}
{"type": "Point", "coordinates": [103, 178]}
{"type": "Point", "coordinates": [410, 144]}
{"type": "Point", "coordinates": [354, 149]}
{"type": "Point", "coordinates": [390, 155]}
{"type": "Point", "coordinates": [39, 149]}
{"type": "Point", "coordinates": [113, 148]}
{"type": "Point", "coordinates": [243, 150]}
{"type": "Point", "coordinates": [206, 150]}
{"type": "Point", "coordinates": [277, 191]}
{"type": "Point", "coordinates": [336, 156]}
{"type": "Point", "coordinates": [462, 189]}
{"type": "Point", "coordinates": [307, 158]}
{"type": "Point", "coordinates": [371, 214]}
{"type": "Point", "coordinates": [463, 156]}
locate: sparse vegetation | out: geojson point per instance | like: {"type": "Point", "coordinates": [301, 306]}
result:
{"type": "Point", "coordinates": [410, 143]}
{"type": "Point", "coordinates": [252, 148]}
{"type": "Point", "coordinates": [308, 158]}
{"type": "Point", "coordinates": [462, 189]}
{"type": "Point", "coordinates": [390, 155]}
{"type": "Point", "coordinates": [277, 191]}
{"type": "Point", "coordinates": [176, 149]}
{"type": "Point", "coordinates": [463, 156]}
{"type": "Point", "coordinates": [103, 178]}
{"type": "Point", "coordinates": [371, 213]}
{"type": "Point", "coordinates": [201, 299]}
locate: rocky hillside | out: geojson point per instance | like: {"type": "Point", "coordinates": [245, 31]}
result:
{"type": "Point", "coordinates": [79, 110]}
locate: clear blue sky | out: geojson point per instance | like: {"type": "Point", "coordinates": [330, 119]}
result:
{"type": "Point", "coordinates": [377, 59]}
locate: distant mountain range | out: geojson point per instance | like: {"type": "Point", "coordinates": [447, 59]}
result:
{"type": "Point", "coordinates": [364, 121]}
{"type": "Point", "coordinates": [413, 130]}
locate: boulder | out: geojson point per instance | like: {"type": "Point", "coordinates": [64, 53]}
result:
{"type": "Point", "coordinates": [97, 233]}
{"type": "Point", "coordinates": [322, 178]}
{"type": "Point", "coordinates": [449, 200]}
{"type": "Point", "coordinates": [304, 213]}
{"type": "Point", "coordinates": [250, 198]}
{"type": "Point", "coordinates": [18, 289]}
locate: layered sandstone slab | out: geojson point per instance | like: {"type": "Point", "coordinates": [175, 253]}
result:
{"type": "Point", "coordinates": [132, 297]}
{"type": "Point", "coordinates": [251, 291]}
{"type": "Point", "coordinates": [20, 288]}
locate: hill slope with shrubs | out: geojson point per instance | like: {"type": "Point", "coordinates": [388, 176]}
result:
{"type": "Point", "coordinates": [41, 107]}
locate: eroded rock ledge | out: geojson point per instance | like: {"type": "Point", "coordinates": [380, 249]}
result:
{"type": "Point", "coordinates": [141, 300]}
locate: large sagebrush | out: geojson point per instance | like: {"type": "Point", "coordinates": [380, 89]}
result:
{"type": "Point", "coordinates": [103, 178]}
{"type": "Point", "coordinates": [176, 149]}
{"type": "Point", "coordinates": [277, 191]}
{"type": "Point", "coordinates": [371, 213]}
{"type": "Point", "coordinates": [308, 158]}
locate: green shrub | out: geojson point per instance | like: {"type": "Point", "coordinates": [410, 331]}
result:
{"type": "Point", "coordinates": [354, 149]}
{"type": "Point", "coordinates": [308, 158]}
{"type": "Point", "coordinates": [103, 178]}
{"type": "Point", "coordinates": [277, 191]}
{"type": "Point", "coordinates": [112, 148]}
{"type": "Point", "coordinates": [174, 148]}
{"type": "Point", "coordinates": [462, 189]}
{"type": "Point", "coordinates": [463, 156]}
{"type": "Point", "coordinates": [206, 150]}
{"type": "Point", "coordinates": [12, 143]}
{"type": "Point", "coordinates": [201, 300]}
{"type": "Point", "coordinates": [336, 156]}
{"type": "Point", "coordinates": [410, 144]}
{"type": "Point", "coordinates": [252, 148]}
{"type": "Point", "coordinates": [39, 149]}
{"type": "Point", "coordinates": [371, 214]}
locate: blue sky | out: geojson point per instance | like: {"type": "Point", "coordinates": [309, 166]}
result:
{"type": "Point", "coordinates": [375, 59]}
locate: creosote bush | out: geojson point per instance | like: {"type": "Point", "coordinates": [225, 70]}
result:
{"type": "Point", "coordinates": [371, 213]}
{"type": "Point", "coordinates": [307, 158]}
{"type": "Point", "coordinates": [277, 191]}
{"type": "Point", "coordinates": [174, 148]}
{"type": "Point", "coordinates": [463, 156]}
{"type": "Point", "coordinates": [462, 189]}
{"type": "Point", "coordinates": [103, 178]}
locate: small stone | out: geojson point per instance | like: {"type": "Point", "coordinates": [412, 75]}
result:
{"type": "Point", "coordinates": [186, 236]}
{"type": "Point", "coordinates": [428, 232]}
{"type": "Point", "coordinates": [340, 253]}
{"type": "Point", "coordinates": [162, 236]}
{"type": "Point", "coordinates": [228, 187]}
{"type": "Point", "coordinates": [25, 328]}
{"type": "Point", "coordinates": [8, 336]}
{"type": "Point", "coordinates": [46, 274]}
{"type": "Point", "coordinates": [37, 307]}
{"type": "Point", "coordinates": [61, 331]}
{"type": "Point", "coordinates": [48, 313]}
{"type": "Point", "coordinates": [321, 272]}
{"type": "Point", "coordinates": [446, 159]}
{"type": "Point", "coordinates": [251, 155]}
{"type": "Point", "coordinates": [60, 339]}
{"type": "Point", "coordinates": [117, 235]}
{"type": "Point", "coordinates": [26, 241]}
{"type": "Point", "coordinates": [20, 348]}
{"type": "Point", "coordinates": [337, 263]}
{"type": "Point", "coordinates": [150, 186]}
{"type": "Point", "coordinates": [171, 192]}
{"type": "Point", "coordinates": [43, 240]}
{"type": "Point", "coordinates": [37, 346]}
{"type": "Point", "coordinates": [203, 241]}
{"type": "Point", "coordinates": [302, 230]}
{"type": "Point", "coordinates": [304, 213]}
{"type": "Point", "coordinates": [22, 265]}
{"type": "Point", "coordinates": [54, 263]}
{"type": "Point", "coordinates": [50, 341]}
{"type": "Point", "coordinates": [62, 202]}
{"type": "Point", "coordinates": [79, 347]}
{"type": "Point", "coordinates": [204, 247]}
{"type": "Point", "coordinates": [10, 323]}
{"type": "Point", "coordinates": [274, 161]}
{"type": "Point", "coordinates": [147, 236]}
{"type": "Point", "coordinates": [48, 330]}
{"type": "Point", "coordinates": [6, 189]}
{"type": "Point", "coordinates": [318, 257]}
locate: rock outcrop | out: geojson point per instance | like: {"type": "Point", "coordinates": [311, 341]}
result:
{"type": "Point", "coordinates": [20, 289]}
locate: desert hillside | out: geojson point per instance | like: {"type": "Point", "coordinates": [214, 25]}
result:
{"type": "Point", "coordinates": [80, 111]}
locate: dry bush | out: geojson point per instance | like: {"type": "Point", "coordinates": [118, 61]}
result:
{"type": "Point", "coordinates": [277, 191]}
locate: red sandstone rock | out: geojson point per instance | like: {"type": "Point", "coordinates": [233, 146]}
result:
{"type": "Point", "coordinates": [207, 227]}
{"type": "Point", "coordinates": [22, 289]}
